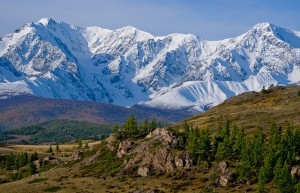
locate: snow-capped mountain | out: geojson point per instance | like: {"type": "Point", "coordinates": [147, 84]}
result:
{"type": "Point", "coordinates": [127, 66]}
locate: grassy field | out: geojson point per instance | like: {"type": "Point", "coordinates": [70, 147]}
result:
{"type": "Point", "coordinates": [42, 149]}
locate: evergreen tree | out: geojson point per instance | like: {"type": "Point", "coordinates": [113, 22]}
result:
{"type": "Point", "coordinates": [266, 171]}
{"type": "Point", "coordinates": [257, 147]}
{"type": "Point", "coordinates": [240, 144]}
{"type": "Point", "coordinates": [130, 127]}
{"type": "Point", "coordinates": [22, 159]}
{"type": "Point", "coordinates": [153, 124]}
{"type": "Point", "coordinates": [145, 126]}
{"type": "Point", "coordinates": [192, 143]}
{"type": "Point", "coordinates": [34, 157]}
{"type": "Point", "coordinates": [284, 182]}
{"type": "Point", "coordinates": [10, 161]}
{"type": "Point", "coordinates": [17, 164]}
{"type": "Point", "coordinates": [57, 148]}
{"type": "Point", "coordinates": [79, 144]}
{"type": "Point", "coordinates": [31, 168]}
{"type": "Point", "coordinates": [26, 157]}
{"type": "Point", "coordinates": [50, 150]}
{"type": "Point", "coordinates": [204, 146]}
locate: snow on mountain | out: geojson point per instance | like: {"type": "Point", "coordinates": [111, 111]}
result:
{"type": "Point", "coordinates": [127, 66]}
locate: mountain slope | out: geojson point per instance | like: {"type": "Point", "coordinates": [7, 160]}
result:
{"type": "Point", "coordinates": [28, 110]}
{"type": "Point", "coordinates": [279, 105]}
{"type": "Point", "coordinates": [127, 66]}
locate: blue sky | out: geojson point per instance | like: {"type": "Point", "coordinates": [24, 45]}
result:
{"type": "Point", "coordinates": [210, 19]}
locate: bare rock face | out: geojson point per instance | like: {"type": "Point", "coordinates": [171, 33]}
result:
{"type": "Point", "coordinates": [295, 171]}
{"type": "Point", "coordinates": [124, 148]}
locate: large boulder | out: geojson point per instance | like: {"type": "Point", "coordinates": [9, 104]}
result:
{"type": "Point", "coordinates": [143, 171]}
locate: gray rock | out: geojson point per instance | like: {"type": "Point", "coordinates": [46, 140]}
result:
{"type": "Point", "coordinates": [124, 148]}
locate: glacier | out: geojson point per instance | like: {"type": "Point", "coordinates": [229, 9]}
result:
{"type": "Point", "coordinates": [128, 66]}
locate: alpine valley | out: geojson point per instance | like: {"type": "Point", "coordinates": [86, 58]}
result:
{"type": "Point", "coordinates": [128, 66]}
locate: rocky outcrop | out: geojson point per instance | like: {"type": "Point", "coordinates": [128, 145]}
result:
{"type": "Point", "coordinates": [154, 155]}
{"type": "Point", "coordinates": [165, 135]}
{"type": "Point", "coordinates": [226, 176]}
{"type": "Point", "coordinates": [124, 148]}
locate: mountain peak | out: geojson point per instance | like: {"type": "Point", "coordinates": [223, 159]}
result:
{"type": "Point", "coordinates": [265, 27]}
{"type": "Point", "coordinates": [139, 34]}
{"type": "Point", "coordinates": [46, 21]}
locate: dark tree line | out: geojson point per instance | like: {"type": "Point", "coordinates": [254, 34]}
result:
{"type": "Point", "coordinates": [22, 164]}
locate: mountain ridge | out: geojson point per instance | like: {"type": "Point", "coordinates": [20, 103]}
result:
{"type": "Point", "coordinates": [127, 66]}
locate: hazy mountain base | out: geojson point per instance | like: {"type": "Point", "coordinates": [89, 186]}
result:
{"type": "Point", "coordinates": [27, 110]}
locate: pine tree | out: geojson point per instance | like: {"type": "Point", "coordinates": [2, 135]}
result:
{"type": "Point", "coordinates": [257, 147]}
{"type": "Point", "coordinates": [204, 146]}
{"type": "Point", "coordinates": [22, 159]}
{"type": "Point", "coordinates": [10, 160]}
{"type": "Point", "coordinates": [130, 127]}
{"type": "Point", "coordinates": [50, 150]}
{"type": "Point", "coordinates": [240, 144]}
{"type": "Point", "coordinates": [57, 148]}
{"type": "Point", "coordinates": [192, 142]}
{"type": "Point", "coordinates": [283, 179]}
{"type": "Point", "coordinates": [269, 164]}
{"type": "Point", "coordinates": [145, 126]}
{"type": "Point", "coordinates": [153, 124]}
{"type": "Point", "coordinates": [79, 144]}
{"type": "Point", "coordinates": [34, 157]}
{"type": "Point", "coordinates": [31, 168]}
